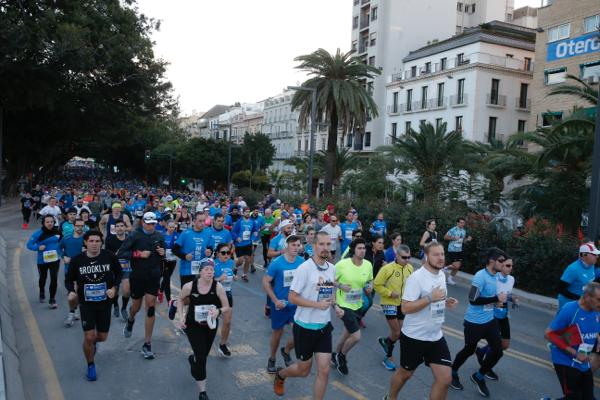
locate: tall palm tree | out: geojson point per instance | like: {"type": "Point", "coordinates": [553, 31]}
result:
{"type": "Point", "coordinates": [582, 90]}
{"type": "Point", "coordinates": [342, 98]}
{"type": "Point", "coordinates": [344, 159]}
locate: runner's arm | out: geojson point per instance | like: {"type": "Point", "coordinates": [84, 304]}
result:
{"type": "Point", "coordinates": [266, 284]}
{"type": "Point", "coordinates": [476, 300]}
{"type": "Point", "coordinates": [424, 238]}
{"type": "Point", "coordinates": [298, 300]}
{"type": "Point", "coordinates": [178, 251]}
{"type": "Point", "coordinates": [563, 288]}
{"type": "Point", "coordinates": [223, 297]}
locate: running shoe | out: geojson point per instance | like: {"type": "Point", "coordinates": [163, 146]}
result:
{"type": "Point", "coordinates": [252, 269]}
{"type": "Point", "coordinates": [491, 375]}
{"type": "Point", "coordinates": [450, 281]}
{"type": "Point", "coordinates": [70, 321]}
{"type": "Point", "coordinates": [172, 309]}
{"type": "Point", "coordinates": [42, 298]}
{"type": "Point", "coordinates": [388, 364]}
{"type": "Point", "coordinates": [455, 384]}
{"type": "Point", "coordinates": [479, 355]}
{"type": "Point", "coordinates": [245, 278]}
{"type": "Point", "coordinates": [386, 397]}
{"type": "Point", "coordinates": [334, 359]}
{"type": "Point", "coordinates": [287, 359]}
{"type": "Point", "coordinates": [161, 297]}
{"type": "Point", "coordinates": [271, 369]}
{"type": "Point", "coordinates": [342, 364]}
{"type": "Point", "coordinates": [278, 383]}
{"type": "Point", "coordinates": [147, 351]}
{"type": "Point", "coordinates": [77, 314]}
{"type": "Point", "coordinates": [224, 351]}
{"type": "Point", "coordinates": [481, 386]}
{"type": "Point", "coordinates": [124, 314]}
{"type": "Point", "coordinates": [384, 345]}
{"type": "Point", "coordinates": [52, 304]}
{"type": "Point", "coordinates": [91, 373]}
{"type": "Point", "coordinates": [128, 328]}
{"type": "Point", "coordinates": [116, 311]}
{"type": "Point", "coordinates": [203, 396]}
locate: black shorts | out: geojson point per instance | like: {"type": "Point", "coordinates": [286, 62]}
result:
{"type": "Point", "coordinates": [308, 341]}
{"type": "Point", "coordinates": [243, 250]}
{"type": "Point", "coordinates": [488, 331]}
{"type": "Point", "coordinates": [504, 325]}
{"type": "Point", "coordinates": [397, 315]}
{"type": "Point", "coordinates": [414, 352]}
{"type": "Point", "coordinates": [351, 320]}
{"type": "Point", "coordinates": [454, 256]}
{"type": "Point", "coordinates": [229, 297]}
{"type": "Point", "coordinates": [95, 316]}
{"type": "Point", "coordinates": [141, 285]}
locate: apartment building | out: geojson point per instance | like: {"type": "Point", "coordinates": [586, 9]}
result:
{"type": "Point", "coordinates": [477, 82]}
{"type": "Point", "coordinates": [384, 31]}
{"type": "Point", "coordinates": [568, 43]}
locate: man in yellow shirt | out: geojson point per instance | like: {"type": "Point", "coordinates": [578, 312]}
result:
{"type": "Point", "coordinates": [389, 283]}
{"type": "Point", "coordinates": [353, 275]}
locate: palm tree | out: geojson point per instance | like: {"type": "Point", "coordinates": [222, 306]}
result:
{"type": "Point", "coordinates": [582, 90]}
{"type": "Point", "coordinates": [342, 98]}
{"type": "Point", "coordinates": [344, 159]}
{"type": "Point", "coordinates": [431, 153]}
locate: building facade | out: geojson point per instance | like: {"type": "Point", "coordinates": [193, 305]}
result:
{"type": "Point", "coordinates": [477, 83]}
{"type": "Point", "coordinates": [384, 31]}
{"type": "Point", "coordinates": [568, 43]}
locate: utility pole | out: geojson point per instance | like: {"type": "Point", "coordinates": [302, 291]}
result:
{"type": "Point", "coordinates": [313, 130]}
{"type": "Point", "coordinates": [594, 213]}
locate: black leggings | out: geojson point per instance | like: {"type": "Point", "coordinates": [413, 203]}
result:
{"type": "Point", "coordinates": [473, 334]}
{"type": "Point", "coordinates": [265, 240]}
{"type": "Point", "coordinates": [167, 271]}
{"type": "Point", "coordinates": [201, 339]}
{"type": "Point", "coordinates": [43, 270]}
{"type": "Point", "coordinates": [575, 384]}
{"type": "Point", "coordinates": [26, 214]}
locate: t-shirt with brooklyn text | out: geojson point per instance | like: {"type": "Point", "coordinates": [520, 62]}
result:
{"type": "Point", "coordinates": [94, 276]}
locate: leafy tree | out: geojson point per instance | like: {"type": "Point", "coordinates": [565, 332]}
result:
{"type": "Point", "coordinates": [369, 178]}
{"type": "Point", "coordinates": [342, 99]}
{"type": "Point", "coordinates": [344, 160]}
{"type": "Point", "coordinates": [257, 152]}
{"type": "Point", "coordinates": [579, 88]}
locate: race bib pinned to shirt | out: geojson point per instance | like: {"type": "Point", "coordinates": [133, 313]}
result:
{"type": "Point", "coordinates": [195, 267]}
{"type": "Point", "coordinates": [246, 235]}
{"type": "Point", "coordinates": [348, 234]}
{"type": "Point", "coordinates": [438, 309]}
{"type": "Point", "coordinates": [227, 282]}
{"type": "Point", "coordinates": [94, 291]}
{"type": "Point", "coordinates": [325, 293]}
{"type": "Point", "coordinates": [201, 312]}
{"type": "Point", "coordinates": [125, 265]}
{"type": "Point", "coordinates": [288, 277]}
{"type": "Point", "coordinates": [389, 309]}
{"type": "Point", "coordinates": [354, 296]}
{"type": "Point", "coordinates": [50, 256]}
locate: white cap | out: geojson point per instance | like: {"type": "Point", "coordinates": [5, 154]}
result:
{"type": "Point", "coordinates": [589, 248]}
{"type": "Point", "coordinates": [284, 223]}
{"type": "Point", "coordinates": [149, 218]}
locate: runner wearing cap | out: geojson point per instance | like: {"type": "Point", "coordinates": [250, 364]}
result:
{"type": "Point", "coordinates": [577, 275]}
{"type": "Point", "coordinates": [145, 250]}
{"type": "Point", "coordinates": [191, 247]}
{"type": "Point", "coordinates": [107, 222]}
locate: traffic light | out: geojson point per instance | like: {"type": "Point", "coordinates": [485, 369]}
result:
{"type": "Point", "coordinates": [147, 154]}
{"type": "Point", "coordinates": [183, 181]}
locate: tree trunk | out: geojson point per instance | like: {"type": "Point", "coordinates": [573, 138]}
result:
{"type": "Point", "coordinates": [330, 155]}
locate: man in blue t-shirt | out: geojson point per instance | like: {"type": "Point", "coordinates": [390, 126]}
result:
{"type": "Point", "coordinates": [218, 232]}
{"type": "Point", "coordinates": [70, 247]}
{"type": "Point", "coordinates": [480, 322]}
{"type": "Point", "coordinates": [456, 237]}
{"type": "Point", "coordinates": [244, 232]}
{"type": "Point", "coordinates": [577, 275]}
{"type": "Point", "coordinates": [573, 334]}
{"type": "Point", "coordinates": [347, 228]}
{"type": "Point", "coordinates": [277, 282]}
{"type": "Point", "coordinates": [378, 227]}
{"type": "Point", "coordinates": [192, 246]}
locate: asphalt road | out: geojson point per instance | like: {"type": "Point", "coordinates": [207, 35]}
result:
{"type": "Point", "coordinates": [53, 367]}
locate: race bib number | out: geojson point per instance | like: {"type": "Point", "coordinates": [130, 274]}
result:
{"type": "Point", "coordinates": [585, 348]}
{"type": "Point", "coordinates": [94, 291]}
{"type": "Point", "coordinates": [195, 267]}
{"type": "Point", "coordinates": [113, 230]}
{"type": "Point", "coordinates": [354, 296]}
{"type": "Point", "coordinates": [438, 310]}
{"type": "Point", "coordinates": [325, 293]}
{"type": "Point", "coordinates": [125, 266]}
{"type": "Point", "coordinates": [246, 235]}
{"type": "Point", "coordinates": [488, 307]}
{"type": "Point", "coordinates": [389, 309]}
{"type": "Point", "coordinates": [201, 312]}
{"type": "Point", "coordinates": [50, 256]}
{"type": "Point", "coordinates": [227, 282]}
{"type": "Point", "coordinates": [288, 276]}
{"type": "Point", "coordinates": [170, 256]}
{"type": "Point", "coordinates": [348, 234]}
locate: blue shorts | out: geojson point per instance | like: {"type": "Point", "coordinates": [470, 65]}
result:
{"type": "Point", "coordinates": [283, 317]}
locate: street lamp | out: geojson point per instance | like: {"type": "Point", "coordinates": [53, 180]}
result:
{"type": "Point", "coordinates": [218, 126]}
{"type": "Point", "coordinates": [594, 219]}
{"type": "Point", "coordinates": [313, 128]}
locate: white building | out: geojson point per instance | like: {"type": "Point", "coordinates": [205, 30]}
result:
{"type": "Point", "coordinates": [477, 82]}
{"type": "Point", "coordinates": [384, 31]}
{"type": "Point", "coordinates": [236, 121]}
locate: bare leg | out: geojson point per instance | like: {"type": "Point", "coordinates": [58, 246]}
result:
{"type": "Point", "coordinates": [398, 381]}
{"type": "Point", "coordinates": [442, 376]}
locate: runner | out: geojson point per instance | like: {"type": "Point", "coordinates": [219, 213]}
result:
{"type": "Point", "coordinates": [145, 249]}
{"type": "Point", "coordinates": [107, 222]}
{"type": "Point", "coordinates": [353, 275]}
{"type": "Point", "coordinates": [265, 235]}
{"type": "Point", "coordinates": [505, 283]}
{"type": "Point", "coordinates": [308, 246]}
{"type": "Point", "coordinates": [224, 275]}
{"type": "Point", "coordinates": [335, 234]}
{"type": "Point", "coordinates": [218, 232]}
{"type": "Point", "coordinates": [379, 226]}
{"type": "Point", "coordinates": [277, 248]}
{"type": "Point", "coordinates": [191, 247]}
{"type": "Point", "coordinates": [276, 283]}
{"type": "Point", "coordinates": [27, 205]}
{"type": "Point", "coordinates": [391, 253]}
{"type": "Point", "coordinates": [244, 232]}
{"type": "Point", "coordinates": [169, 263]}
{"type": "Point", "coordinates": [97, 274]}
{"type": "Point", "coordinates": [46, 241]}
{"type": "Point", "coordinates": [53, 210]}
{"type": "Point", "coordinates": [67, 226]}
{"type": "Point", "coordinates": [421, 340]}
{"type": "Point", "coordinates": [430, 235]}
{"type": "Point", "coordinates": [348, 227]}
{"type": "Point", "coordinates": [312, 319]}
{"type": "Point", "coordinates": [113, 243]}
{"type": "Point", "coordinates": [184, 219]}
{"type": "Point", "coordinates": [479, 322]}
{"type": "Point", "coordinates": [578, 274]}
{"type": "Point", "coordinates": [573, 334]}
{"type": "Point", "coordinates": [207, 301]}
{"type": "Point", "coordinates": [389, 283]}
{"type": "Point", "coordinates": [259, 222]}
{"type": "Point", "coordinates": [69, 248]}
{"type": "Point", "coordinates": [456, 238]}
{"type": "Point", "coordinates": [355, 235]}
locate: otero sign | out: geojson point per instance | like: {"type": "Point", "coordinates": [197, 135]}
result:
{"type": "Point", "coordinates": [578, 46]}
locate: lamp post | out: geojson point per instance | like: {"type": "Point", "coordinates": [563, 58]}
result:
{"type": "Point", "coordinates": [313, 128]}
{"type": "Point", "coordinates": [594, 219]}
{"type": "Point", "coordinates": [218, 126]}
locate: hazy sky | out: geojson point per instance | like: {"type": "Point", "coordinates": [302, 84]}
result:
{"type": "Point", "coordinates": [224, 51]}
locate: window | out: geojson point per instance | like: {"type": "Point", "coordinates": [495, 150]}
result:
{"type": "Point", "coordinates": [372, 60]}
{"type": "Point", "coordinates": [492, 128]}
{"type": "Point", "coordinates": [354, 45]}
{"type": "Point", "coordinates": [495, 91]}
{"type": "Point", "coordinates": [443, 63]}
{"type": "Point", "coordinates": [438, 123]}
{"type": "Point", "coordinates": [440, 93]}
{"type": "Point", "coordinates": [407, 127]}
{"type": "Point", "coordinates": [413, 71]}
{"type": "Point", "coordinates": [356, 2]}
{"type": "Point", "coordinates": [428, 67]}
{"type": "Point", "coordinates": [409, 100]}
{"type": "Point", "coordinates": [424, 97]}
{"type": "Point", "coordinates": [590, 70]}
{"type": "Point", "coordinates": [394, 129]}
{"type": "Point", "coordinates": [559, 32]}
{"type": "Point", "coordinates": [460, 91]}
{"type": "Point", "coordinates": [299, 144]}
{"type": "Point", "coordinates": [459, 7]}
{"type": "Point", "coordinates": [551, 117]}
{"type": "Point", "coordinates": [527, 64]}
{"type": "Point", "coordinates": [554, 76]}
{"type": "Point", "coordinates": [472, 8]}
{"type": "Point", "coordinates": [458, 123]}
{"type": "Point", "coordinates": [466, 8]}
{"type": "Point", "coordinates": [460, 58]}
{"type": "Point", "coordinates": [373, 39]}
{"type": "Point", "coordinates": [349, 140]}
{"type": "Point", "coordinates": [523, 95]}
{"type": "Point", "coordinates": [373, 13]}
{"type": "Point", "coordinates": [509, 17]}
{"type": "Point", "coordinates": [458, 29]}
{"type": "Point", "coordinates": [422, 122]}
{"type": "Point", "coordinates": [395, 102]}
{"type": "Point", "coordinates": [521, 125]}
{"type": "Point", "coordinates": [370, 88]}
{"type": "Point", "coordinates": [367, 139]}
{"type": "Point", "coordinates": [355, 22]}
{"type": "Point", "coordinates": [510, 55]}
{"type": "Point", "coordinates": [591, 24]}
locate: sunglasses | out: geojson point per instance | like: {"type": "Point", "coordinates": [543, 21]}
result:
{"type": "Point", "coordinates": [223, 253]}
{"type": "Point", "coordinates": [508, 265]}
{"type": "Point", "coordinates": [334, 220]}
{"type": "Point", "coordinates": [405, 257]}
{"type": "Point", "coordinates": [501, 260]}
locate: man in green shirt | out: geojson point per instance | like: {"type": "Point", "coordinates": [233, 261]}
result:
{"type": "Point", "coordinates": [266, 232]}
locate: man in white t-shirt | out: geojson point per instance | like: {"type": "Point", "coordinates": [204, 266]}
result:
{"type": "Point", "coordinates": [52, 209]}
{"type": "Point", "coordinates": [424, 303]}
{"type": "Point", "coordinates": [313, 292]}
{"type": "Point", "coordinates": [335, 234]}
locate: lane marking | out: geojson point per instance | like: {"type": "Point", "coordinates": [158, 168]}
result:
{"type": "Point", "coordinates": [348, 390]}
{"type": "Point", "coordinates": [51, 382]}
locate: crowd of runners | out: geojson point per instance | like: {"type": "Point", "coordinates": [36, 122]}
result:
{"type": "Point", "coordinates": [120, 243]}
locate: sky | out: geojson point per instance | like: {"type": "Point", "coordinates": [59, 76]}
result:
{"type": "Point", "coordinates": [227, 51]}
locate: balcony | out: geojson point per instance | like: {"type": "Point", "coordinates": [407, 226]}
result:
{"type": "Point", "coordinates": [364, 2]}
{"type": "Point", "coordinates": [397, 77]}
{"type": "Point", "coordinates": [364, 21]}
{"type": "Point", "coordinates": [459, 101]}
{"type": "Point", "coordinates": [522, 104]}
{"type": "Point", "coordinates": [393, 109]}
{"type": "Point", "coordinates": [439, 103]}
{"type": "Point", "coordinates": [301, 153]}
{"type": "Point", "coordinates": [495, 100]}
{"type": "Point", "coordinates": [363, 47]}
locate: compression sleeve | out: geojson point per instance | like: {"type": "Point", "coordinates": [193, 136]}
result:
{"type": "Point", "coordinates": [563, 288]}
{"type": "Point", "coordinates": [476, 300]}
